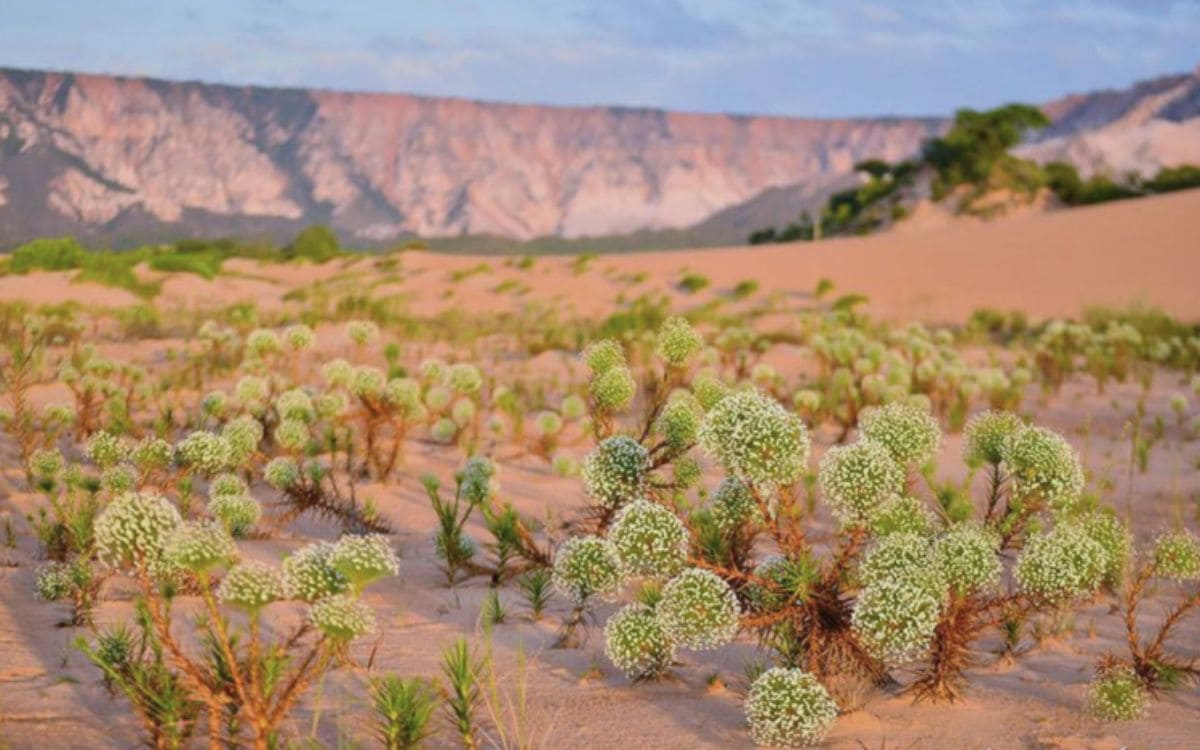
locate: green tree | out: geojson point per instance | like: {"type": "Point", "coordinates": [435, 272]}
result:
{"type": "Point", "coordinates": [977, 140]}
{"type": "Point", "coordinates": [317, 243]}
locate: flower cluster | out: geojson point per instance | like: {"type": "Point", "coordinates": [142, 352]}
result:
{"type": "Point", "coordinates": [616, 471]}
{"type": "Point", "coordinates": [1177, 556]}
{"type": "Point", "coordinates": [1060, 565]}
{"type": "Point", "coordinates": [678, 342]}
{"type": "Point", "coordinates": [636, 644]}
{"type": "Point", "coordinates": [966, 557]}
{"type": "Point", "coordinates": [204, 452]}
{"type": "Point", "coordinates": [362, 332]}
{"type": "Point", "coordinates": [909, 432]}
{"type": "Point", "coordinates": [789, 708]}
{"type": "Point", "coordinates": [895, 618]}
{"type": "Point", "coordinates": [896, 556]}
{"type": "Point", "coordinates": [134, 527]}
{"type": "Point", "coordinates": [613, 389]}
{"type": "Point", "coordinates": [756, 439]}
{"type": "Point", "coordinates": [1116, 541]}
{"type": "Point", "coordinates": [106, 449]}
{"type": "Point", "coordinates": [243, 436]}
{"type": "Point", "coordinates": [602, 356]}
{"type": "Point", "coordinates": [261, 342]}
{"type": "Point", "coordinates": [899, 514]}
{"type": "Point", "coordinates": [464, 378]}
{"type": "Point", "coordinates": [199, 547]}
{"type": "Point", "coordinates": [733, 504]}
{"type": "Point", "coordinates": [231, 504]}
{"type": "Point", "coordinates": [477, 480]}
{"type": "Point", "coordinates": [649, 539]}
{"type": "Point", "coordinates": [709, 389]}
{"type": "Point", "coordinates": [1043, 466]}
{"type": "Point", "coordinates": [680, 419]}
{"type": "Point", "coordinates": [1117, 694]}
{"type": "Point", "coordinates": [855, 479]}
{"type": "Point", "coordinates": [299, 337]}
{"type": "Point", "coordinates": [309, 575]}
{"type": "Point", "coordinates": [586, 567]}
{"type": "Point", "coordinates": [342, 618]}
{"type": "Point", "coordinates": [986, 434]}
{"type": "Point", "coordinates": [698, 610]}
{"type": "Point", "coordinates": [282, 473]}
{"type": "Point", "coordinates": [252, 585]}
{"type": "Point", "coordinates": [362, 559]}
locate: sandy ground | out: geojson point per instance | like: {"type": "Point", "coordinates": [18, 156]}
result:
{"type": "Point", "coordinates": [1047, 264]}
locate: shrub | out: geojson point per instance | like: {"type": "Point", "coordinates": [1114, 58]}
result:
{"type": "Point", "coordinates": [789, 708]}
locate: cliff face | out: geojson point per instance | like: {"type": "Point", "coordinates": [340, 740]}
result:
{"type": "Point", "coordinates": [1145, 127]}
{"type": "Point", "coordinates": [136, 158]}
{"type": "Point", "coordinates": [125, 159]}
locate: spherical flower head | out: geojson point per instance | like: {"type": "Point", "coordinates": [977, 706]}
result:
{"type": "Point", "coordinates": [986, 434]}
{"type": "Point", "coordinates": [362, 332]}
{"type": "Point", "coordinates": [910, 433]}
{"type": "Point", "coordinates": [362, 559]}
{"type": "Point", "coordinates": [54, 581]}
{"type": "Point", "coordinates": [649, 539]}
{"type": "Point", "coordinates": [602, 356]}
{"type": "Point", "coordinates": [342, 618]}
{"type": "Point", "coordinates": [1061, 565]}
{"type": "Point", "coordinates": [477, 480]}
{"type": "Point", "coordinates": [678, 342]}
{"type": "Point", "coordinates": [404, 394]}
{"type": "Point", "coordinates": [151, 454]}
{"type": "Point", "coordinates": [367, 382]}
{"type": "Point", "coordinates": [616, 471]}
{"type": "Point", "coordinates": [635, 643]}
{"type": "Point", "coordinates": [106, 449]}
{"type": "Point", "coordinates": [586, 567]}
{"type": "Point", "coordinates": [337, 373]}
{"type": "Point", "coordinates": [698, 610]}
{"type": "Point", "coordinates": [1042, 465]}
{"type": "Point", "coordinates": [310, 576]}
{"type": "Point", "coordinates": [709, 390]}
{"type": "Point", "coordinates": [261, 342]}
{"type": "Point", "coordinates": [573, 407]}
{"type": "Point", "coordinates": [292, 435]}
{"type": "Point", "coordinates": [464, 378]}
{"type": "Point", "coordinates": [46, 463]}
{"type": "Point", "coordinates": [789, 708]}
{"type": "Point", "coordinates": [966, 558]}
{"type": "Point", "coordinates": [238, 513]}
{"type": "Point", "coordinates": [548, 423]}
{"type": "Point", "coordinates": [896, 556]}
{"type": "Point", "coordinates": [227, 484]}
{"type": "Point", "coordinates": [463, 412]}
{"type": "Point", "coordinates": [299, 337]}
{"type": "Point", "coordinates": [118, 479]}
{"type": "Point", "coordinates": [895, 619]}
{"type": "Point", "coordinates": [433, 371]}
{"type": "Point", "coordinates": [613, 389]}
{"type": "Point", "coordinates": [900, 514]}
{"type": "Point", "coordinates": [1117, 694]}
{"type": "Point", "coordinates": [243, 436]}
{"type": "Point", "coordinates": [282, 473]}
{"type": "Point", "coordinates": [251, 389]}
{"type": "Point", "coordinates": [204, 452]}
{"type": "Point", "coordinates": [295, 404]}
{"type": "Point", "coordinates": [438, 397]}
{"type": "Point", "coordinates": [564, 465]}
{"type": "Point", "coordinates": [199, 547]}
{"type": "Point", "coordinates": [444, 430]}
{"type": "Point", "coordinates": [856, 479]}
{"type": "Point", "coordinates": [807, 401]}
{"type": "Point", "coordinates": [733, 504]}
{"type": "Point", "coordinates": [133, 528]}
{"type": "Point", "coordinates": [252, 585]}
{"type": "Point", "coordinates": [756, 439]}
{"type": "Point", "coordinates": [1116, 541]}
{"type": "Point", "coordinates": [680, 419]}
{"type": "Point", "coordinates": [1177, 556]}
{"type": "Point", "coordinates": [686, 472]}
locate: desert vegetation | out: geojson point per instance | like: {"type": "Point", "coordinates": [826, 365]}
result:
{"type": "Point", "coordinates": [340, 524]}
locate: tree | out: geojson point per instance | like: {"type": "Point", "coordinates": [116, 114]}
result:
{"type": "Point", "coordinates": [316, 243]}
{"type": "Point", "coordinates": [977, 139]}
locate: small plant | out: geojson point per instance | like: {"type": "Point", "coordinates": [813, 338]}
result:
{"type": "Point", "coordinates": [403, 709]}
{"type": "Point", "coordinates": [461, 670]}
{"type": "Point", "coordinates": [536, 587]}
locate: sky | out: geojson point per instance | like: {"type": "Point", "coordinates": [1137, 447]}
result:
{"type": "Point", "coordinates": [820, 59]}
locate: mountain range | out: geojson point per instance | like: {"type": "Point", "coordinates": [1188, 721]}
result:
{"type": "Point", "coordinates": [123, 160]}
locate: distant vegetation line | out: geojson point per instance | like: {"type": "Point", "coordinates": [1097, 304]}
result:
{"type": "Point", "coordinates": [967, 165]}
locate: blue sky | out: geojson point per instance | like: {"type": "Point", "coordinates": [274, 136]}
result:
{"type": "Point", "coordinates": [832, 58]}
